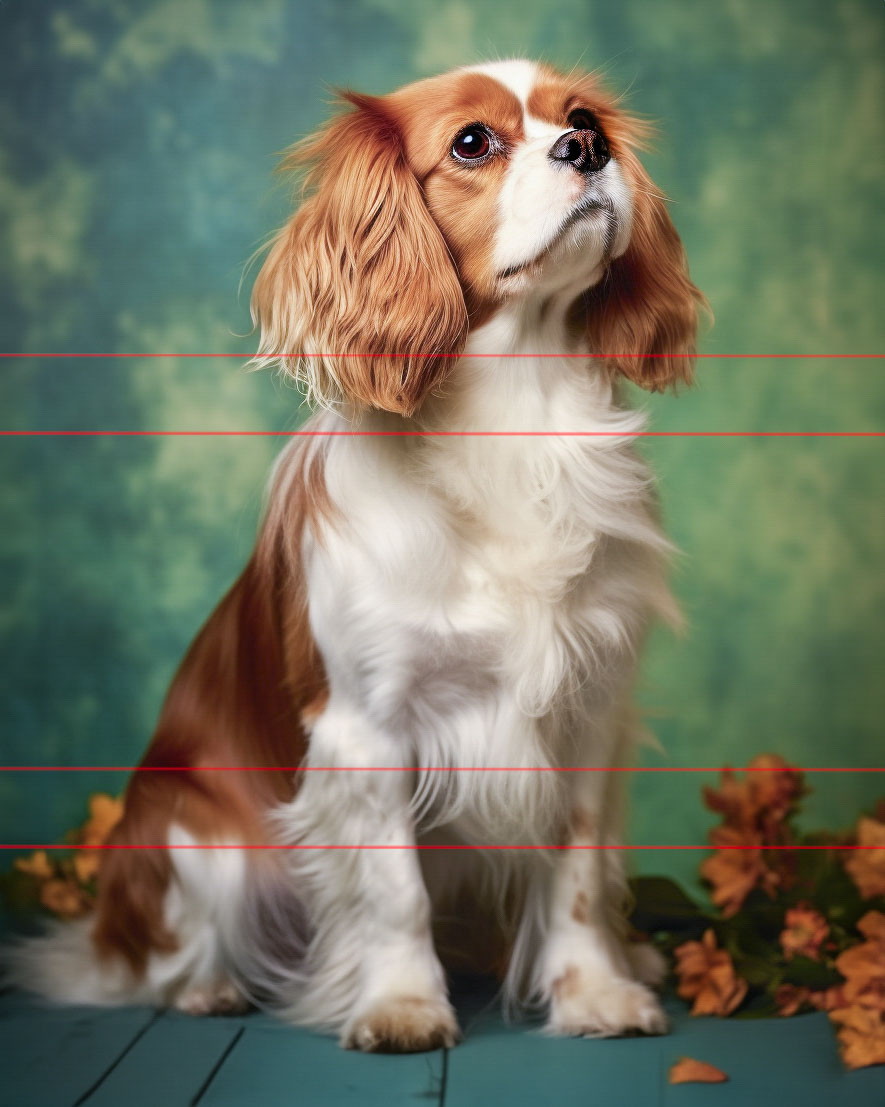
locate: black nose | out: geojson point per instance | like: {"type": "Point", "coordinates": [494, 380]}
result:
{"type": "Point", "coordinates": [587, 151]}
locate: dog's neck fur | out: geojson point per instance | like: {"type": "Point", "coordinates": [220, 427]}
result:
{"type": "Point", "coordinates": [561, 447]}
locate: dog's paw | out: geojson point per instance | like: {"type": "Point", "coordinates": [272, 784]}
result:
{"type": "Point", "coordinates": [403, 1024]}
{"type": "Point", "coordinates": [221, 998]}
{"type": "Point", "coordinates": [587, 1005]}
{"type": "Point", "coordinates": [648, 965]}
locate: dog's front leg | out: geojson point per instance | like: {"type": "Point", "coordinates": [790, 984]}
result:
{"type": "Point", "coordinates": [372, 968]}
{"type": "Point", "coordinates": [587, 973]}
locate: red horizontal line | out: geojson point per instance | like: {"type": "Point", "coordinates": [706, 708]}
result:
{"type": "Point", "coordinates": [410, 846]}
{"type": "Point", "coordinates": [586, 357]}
{"type": "Point", "coordinates": [435, 769]}
{"type": "Point", "coordinates": [429, 434]}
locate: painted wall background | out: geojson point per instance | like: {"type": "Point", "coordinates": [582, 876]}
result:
{"type": "Point", "coordinates": [137, 142]}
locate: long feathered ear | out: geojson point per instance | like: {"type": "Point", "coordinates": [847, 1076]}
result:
{"type": "Point", "coordinates": [643, 314]}
{"type": "Point", "coordinates": [358, 298]}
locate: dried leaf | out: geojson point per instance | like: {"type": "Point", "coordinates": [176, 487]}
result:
{"type": "Point", "coordinates": [689, 1071]}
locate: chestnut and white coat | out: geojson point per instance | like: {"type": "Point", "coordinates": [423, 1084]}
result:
{"type": "Point", "coordinates": [476, 252]}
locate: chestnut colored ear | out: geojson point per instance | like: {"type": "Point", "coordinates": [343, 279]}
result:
{"type": "Point", "coordinates": [359, 299]}
{"type": "Point", "coordinates": [643, 314]}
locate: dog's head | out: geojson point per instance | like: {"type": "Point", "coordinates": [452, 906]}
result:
{"type": "Point", "coordinates": [429, 209]}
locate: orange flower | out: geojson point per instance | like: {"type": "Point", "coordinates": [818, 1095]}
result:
{"type": "Point", "coordinates": [866, 867]}
{"type": "Point", "coordinates": [731, 800]}
{"type": "Point", "coordinates": [37, 865]}
{"type": "Point", "coordinates": [733, 873]}
{"type": "Point", "coordinates": [689, 1071]}
{"type": "Point", "coordinates": [706, 975]}
{"type": "Point", "coordinates": [805, 931]}
{"type": "Point", "coordinates": [86, 863]}
{"type": "Point", "coordinates": [65, 898]}
{"type": "Point", "coordinates": [863, 965]}
{"type": "Point", "coordinates": [862, 1035]}
{"type": "Point", "coordinates": [762, 800]}
{"type": "Point", "coordinates": [104, 814]}
{"type": "Point", "coordinates": [859, 1007]}
{"type": "Point", "coordinates": [754, 812]}
{"type": "Point", "coordinates": [775, 793]}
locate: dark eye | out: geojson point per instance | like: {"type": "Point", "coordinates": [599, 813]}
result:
{"type": "Point", "coordinates": [582, 120]}
{"type": "Point", "coordinates": [471, 144]}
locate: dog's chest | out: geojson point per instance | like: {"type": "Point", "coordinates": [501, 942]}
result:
{"type": "Point", "coordinates": [483, 571]}
{"type": "Point", "coordinates": [529, 566]}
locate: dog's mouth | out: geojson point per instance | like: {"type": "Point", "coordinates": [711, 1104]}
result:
{"type": "Point", "coordinates": [588, 205]}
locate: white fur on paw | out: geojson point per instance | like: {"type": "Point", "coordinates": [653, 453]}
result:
{"type": "Point", "coordinates": [211, 999]}
{"type": "Point", "coordinates": [648, 965]}
{"type": "Point", "coordinates": [587, 1005]}
{"type": "Point", "coordinates": [403, 1024]}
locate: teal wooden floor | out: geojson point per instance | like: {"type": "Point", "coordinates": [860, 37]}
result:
{"type": "Point", "coordinates": [135, 1057]}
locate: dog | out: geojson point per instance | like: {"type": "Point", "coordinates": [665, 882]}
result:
{"type": "Point", "coordinates": [455, 570]}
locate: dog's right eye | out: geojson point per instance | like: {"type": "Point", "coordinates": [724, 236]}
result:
{"type": "Point", "coordinates": [472, 144]}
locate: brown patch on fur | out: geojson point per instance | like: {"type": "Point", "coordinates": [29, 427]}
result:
{"type": "Point", "coordinates": [567, 985]}
{"type": "Point", "coordinates": [312, 711]}
{"type": "Point", "coordinates": [553, 97]}
{"type": "Point", "coordinates": [236, 700]}
{"type": "Point", "coordinates": [644, 312]}
{"type": "Point", "coordinates": [461, 198]}
{"type": "Point", "coordinates": [581, 909]}
{"type": "Point", "coordinates": [361, 272]}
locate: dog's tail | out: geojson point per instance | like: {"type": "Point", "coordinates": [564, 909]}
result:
{"type": "Point", "coordinates": [62, 966]}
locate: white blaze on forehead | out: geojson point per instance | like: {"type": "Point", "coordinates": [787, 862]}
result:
{"type": "Point", "coordinates": [519, 76]}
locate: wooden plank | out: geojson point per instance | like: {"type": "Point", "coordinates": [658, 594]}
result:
{"type": "Point", "coordinates": [519, 1066]}
{"type": "Point", "coordinates": [788, 1062]}
{"type": "Point", "coordinates": [273, 1064]}
{"type": "Point", "coordinates": [50, 1056]}
{"type": "Point", "coordinates": [169, 1064]}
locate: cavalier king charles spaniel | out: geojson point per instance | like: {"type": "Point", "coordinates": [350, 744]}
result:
{"type": "Point", "coordinates": [441, 617]}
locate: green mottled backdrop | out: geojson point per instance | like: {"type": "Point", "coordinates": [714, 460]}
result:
{"type": "Point", "coordinates": [137, 142]}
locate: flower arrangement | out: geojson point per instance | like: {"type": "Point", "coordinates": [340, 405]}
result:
{"type": "Point", "coordinates": [790, 930]}
{"type": "Point", "coordinates": [793, 930]}
{"type": "Point", "coordinates": [66, 884]}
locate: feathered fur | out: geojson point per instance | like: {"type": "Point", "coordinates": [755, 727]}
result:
{"type": "Point", "coordinates": [436, 620]}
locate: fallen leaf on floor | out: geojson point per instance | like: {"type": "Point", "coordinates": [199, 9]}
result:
{"type": "Point", "coordinates": [689, 1071]}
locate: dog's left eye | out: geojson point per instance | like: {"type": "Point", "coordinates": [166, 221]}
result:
{"type": "Point", "coordinates": [471, 144]}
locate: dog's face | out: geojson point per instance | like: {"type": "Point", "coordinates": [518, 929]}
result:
{"type": "Point", "coordinates": [521, 176]}
{"type": "Point", "coordinates": [434, 207]}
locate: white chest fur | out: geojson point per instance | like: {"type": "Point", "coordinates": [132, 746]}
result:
{"type": "Point", "coordinates": [482, 595]}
